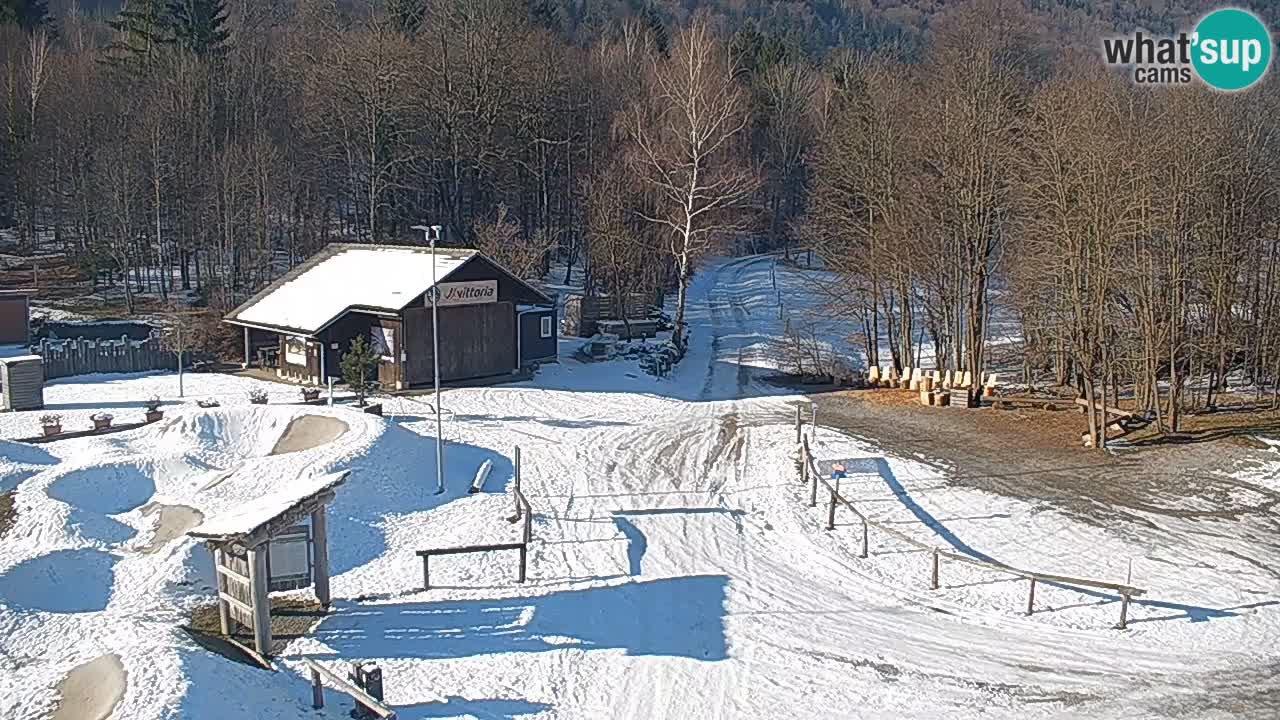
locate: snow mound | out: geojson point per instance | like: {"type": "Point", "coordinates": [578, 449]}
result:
{"type": "Point", "coordinates": [246, 432]}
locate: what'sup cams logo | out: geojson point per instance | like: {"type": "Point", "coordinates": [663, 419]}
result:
{"type": "Point", "coordinates": [1229, 50]}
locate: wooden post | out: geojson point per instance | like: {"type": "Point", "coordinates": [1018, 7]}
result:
{"type": "Point", "coordinates": [246, 349]}
{"type": "Point", "coordinates": [813, 489]}
{"type": "Point", "coordinates": [258, 581]}
{"type": "Point", "coordinates": [317, 690]}
{"type": "Point", "coordinates": [798, 423]}
{"type": "Point", "coordinates": [320, 550]}
{"type": "Point", "coordinates": [804, 466]}
{"type": "Point", "coordinates": [831, 512]}
{"type": "Point", "coordinates": [516, 494]}
{"type": "Point", "coordinates": [933, 579]}
{"type": "Point", "coordinates": [224, 608]}
{"type": "Point", "coordinates": [1124, 610]}
{"type": "Point", "coordinates": [813, 416]}
{"type": "Point", "coordinates": [1031, 597]}
{"type": "Point", "coordinates": [528, 527]}
{"type": "Point", "coordinates": [864, 539]}
{"type": "Point", "coordinates": [426, 572]}
{"type": "Point", "coordinates": [524, 560]}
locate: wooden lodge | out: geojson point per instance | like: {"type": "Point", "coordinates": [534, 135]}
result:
{"type": "Point", "coordinates": [491, 322]}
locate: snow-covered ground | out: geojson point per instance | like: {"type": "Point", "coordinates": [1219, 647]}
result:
{"type": "Point", "coordinates": [677, 570]}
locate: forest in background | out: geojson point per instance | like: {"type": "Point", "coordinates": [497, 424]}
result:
{"type": "Point", "coordinates": [936, 154]}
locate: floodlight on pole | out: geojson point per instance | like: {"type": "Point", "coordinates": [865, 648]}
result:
{"type": "Point", "coordinates": [433, 234]}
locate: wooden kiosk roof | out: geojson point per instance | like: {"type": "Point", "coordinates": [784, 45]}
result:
{"type": "Point", "coordinates": [254, 522]}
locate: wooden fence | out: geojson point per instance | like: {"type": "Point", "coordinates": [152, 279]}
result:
{"type": "Point", "coordinates": [524, 511]}
{"type": "Point", "coordinates": [809, 474]}
{"type": "Point", "coordinates": [64, 358]}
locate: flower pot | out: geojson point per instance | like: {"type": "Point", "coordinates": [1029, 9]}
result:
{"type": "Point", "coordinates": [374, 409]}
{"type": "Point", "coordinates": [51, 430]}
{"type": "Point", "coordinates": [101, 423]}
{"type": "Point", "coordinates": [154, 415]}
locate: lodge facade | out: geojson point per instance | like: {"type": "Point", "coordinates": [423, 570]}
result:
{"type": "Point", "coordinates": [492, 324]}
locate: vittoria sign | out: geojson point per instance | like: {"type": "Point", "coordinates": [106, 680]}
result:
{"type": "Point", "coordinates": [467, 293]}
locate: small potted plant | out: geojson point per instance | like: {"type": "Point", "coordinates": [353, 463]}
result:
{"type": "Point", "coordinates": [52, 424]}
{"type": "Point", "coordinates": [102, 421]}
{"type": "Point", "coordinates": [310, 395]}
{"type": "Point", "coordinates": [154, 412]}
{"type": "Point", "coordinates": [258, 396]}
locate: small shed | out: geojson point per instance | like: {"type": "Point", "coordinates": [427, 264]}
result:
{"type": "Point", "coordinates": [22, 380]}
{"type": "Point", "coordinates": [261, 545]}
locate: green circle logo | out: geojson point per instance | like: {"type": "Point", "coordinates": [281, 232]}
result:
{"type": "Point", "coordinates": [1231, 49]}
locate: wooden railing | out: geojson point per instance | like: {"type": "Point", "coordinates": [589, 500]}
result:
{"type": "Point", "coordinates": [320, 673]}
{"type": "Point", "coordinates": [809, 473]}
{"type": "Point", "coordinates": [524, 511]}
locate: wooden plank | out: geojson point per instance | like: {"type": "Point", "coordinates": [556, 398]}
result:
{"type": "Point", "coordinates": [462, 550]}
{"type": "Point", "coordinates": [357, 694]}
{"type": "Point", "coordinates": [236, 603]}
{"type": "Point", "coordinates": [1110, 410]}
{"type": "Point", "coordinates": [231, 574]}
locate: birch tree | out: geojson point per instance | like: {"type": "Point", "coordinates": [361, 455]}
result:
{"type": "Point", "coordinates": [684, 133]}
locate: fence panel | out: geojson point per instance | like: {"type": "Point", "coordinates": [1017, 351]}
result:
{"type": "Point", "coordinates": [66, 358]}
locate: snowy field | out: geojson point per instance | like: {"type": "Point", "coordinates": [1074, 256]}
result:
{"type": "Point", "coordinates": [677, 570]}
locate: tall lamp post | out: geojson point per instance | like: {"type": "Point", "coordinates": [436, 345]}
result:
{"type": "Point", "coordinates": [433, 234]}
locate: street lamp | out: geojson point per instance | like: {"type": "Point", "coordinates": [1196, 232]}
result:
{"type": "Point", "coordinates": [433, 234]}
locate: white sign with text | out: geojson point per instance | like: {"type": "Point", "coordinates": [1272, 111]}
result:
{"type": "Point", "coordinates": [473, 292]}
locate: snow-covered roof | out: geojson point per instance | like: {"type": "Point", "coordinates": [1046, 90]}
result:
{"type": "Point", "coordinates": [20, 358]}
{"type": "Point", "coordinates": [346, 276]}
{"type": "Point", "coordinates": [246, 518]}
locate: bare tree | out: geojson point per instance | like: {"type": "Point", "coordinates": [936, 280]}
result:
{"type": "Point", "coordinates": [683, 134]}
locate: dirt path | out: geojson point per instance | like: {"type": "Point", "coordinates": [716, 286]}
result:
{"type": "Point", "coordinates": [309, 431]}
{"type": "Point", "coordinates": [175, 521]}
{"type": "Point", "coordinates": [91, 691]}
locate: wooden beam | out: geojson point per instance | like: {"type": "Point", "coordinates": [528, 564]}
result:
{"type": "Point", "coordinates": [231, 600]}
{"type": "Point", "coordinates": [357, 694]}
{"type": "Point", "coordinates": [224, 612]}
{"type": "Point", "coordinates": [258, 580]}
{"type": "Point", "coordinates": [320, 548]}
{"type": "Point", "coordinates": [224, 570]}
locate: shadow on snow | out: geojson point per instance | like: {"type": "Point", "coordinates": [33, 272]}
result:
{"type": "Point", "coordinates": [1194, 613]}
{"type": "Point", "coordinates": [675, 617]}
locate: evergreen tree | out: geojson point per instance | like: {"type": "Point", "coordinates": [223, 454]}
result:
{"type": "Point", "coordinates": [547, 14]}
{"type": "Point", "coordinates": [657, 29]}
{"type": "Point", "coordinates": [407, 14]}
{"type": "Point", "coordinates": [358, 364]}
{"type": "Point", "coordinates": [141, 28]}
{"type": "Point", "coordinates": [198, 25]}
{"type": "Point", "coordinates": [26, 14]}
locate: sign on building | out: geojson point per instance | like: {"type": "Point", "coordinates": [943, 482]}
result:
{"type": "Point", "coordinates": [473, 292]}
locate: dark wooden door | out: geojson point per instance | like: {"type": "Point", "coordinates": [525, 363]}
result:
{"type": "Point", "coordinates": [475, 341]}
